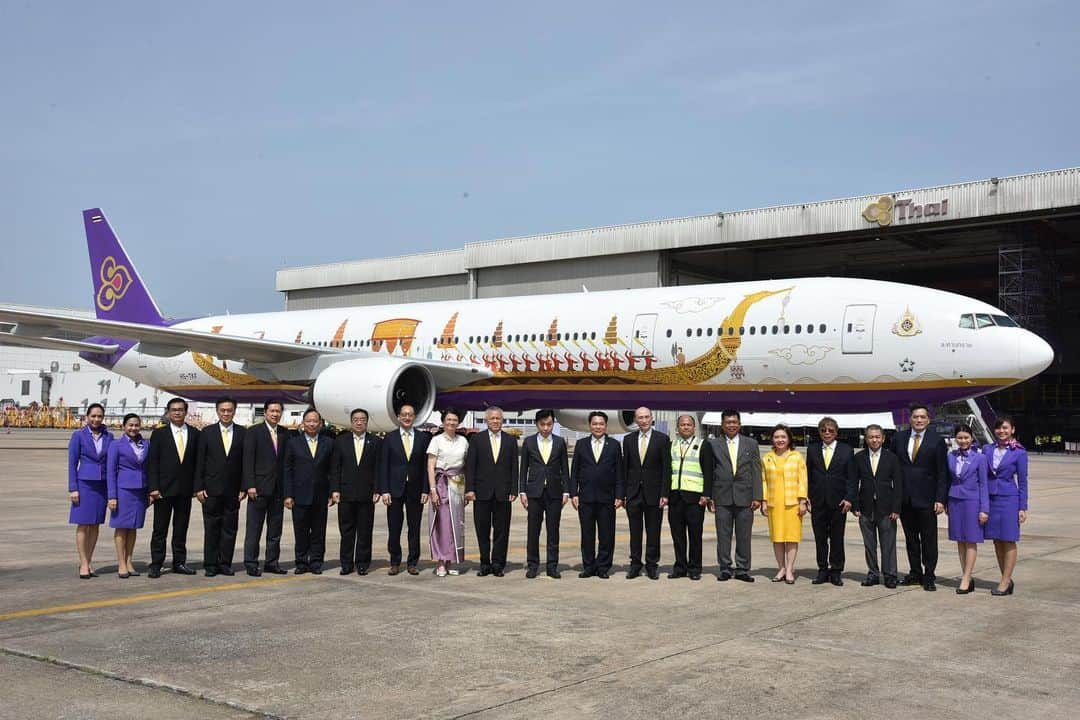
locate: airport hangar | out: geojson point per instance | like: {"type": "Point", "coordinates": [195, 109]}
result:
{"type": "Point", "coordinates": [1011, 241]}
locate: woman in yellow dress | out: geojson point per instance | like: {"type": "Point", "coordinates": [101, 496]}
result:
{"type": "Point", "coordinates": [783, 475]}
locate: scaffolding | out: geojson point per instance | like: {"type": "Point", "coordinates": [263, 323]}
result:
{"type": "Point", "coordinates": [1026, 285]}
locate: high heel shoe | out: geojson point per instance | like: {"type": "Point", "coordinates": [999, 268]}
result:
{"type": "Point", "coordinates": [970, 589]}
{"type": "Point", "coordinates": [1007, 591]}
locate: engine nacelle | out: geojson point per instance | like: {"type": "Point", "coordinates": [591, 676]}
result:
{"type": "Point", "coordinates": [379, 385]}
{"type": "Point", "coordinates": [619, 421]}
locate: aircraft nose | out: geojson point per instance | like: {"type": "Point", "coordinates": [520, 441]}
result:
{"type": "Point", "coordinates": [1033, 354]}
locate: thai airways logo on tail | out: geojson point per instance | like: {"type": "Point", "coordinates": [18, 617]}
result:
{"type": "Point", "coordinates": [119, 293]}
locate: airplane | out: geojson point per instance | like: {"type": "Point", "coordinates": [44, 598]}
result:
{"type": "Point", "coordinates": [800, 345]}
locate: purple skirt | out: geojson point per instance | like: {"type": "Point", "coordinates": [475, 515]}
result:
{"type": "Point", "coordinates": [964, 521]}
{"type": "Point", "coordinates": [1004, 523]}
{"type": "Point", "coordinates": [92, 503]}
{"type": "Point", "coordinates": [130, 512]}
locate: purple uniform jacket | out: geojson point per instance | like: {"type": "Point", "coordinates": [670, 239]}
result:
{"type": "Point", "coordinates": [84, 462]}
{"type": "Point", "coordinates": [125, 469]}
{"type": "Point", "coordinates": [1011, 476]}
{"type": "Point", "coordinates": [973, 482]}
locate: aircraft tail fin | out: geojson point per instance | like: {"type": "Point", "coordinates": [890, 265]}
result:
{"type": "Point", "coordinates": [119, 292]}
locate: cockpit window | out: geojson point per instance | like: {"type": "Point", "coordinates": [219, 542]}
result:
{"type": "Point", "coordinates": [967, 322]}
{"type": "Point", "coordinates": [1005, 321]}
{"type": "Point", "coordinates": [983, 320]}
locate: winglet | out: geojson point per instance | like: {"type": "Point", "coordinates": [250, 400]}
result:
{"type": "Point", "coordinates": [119, 293]}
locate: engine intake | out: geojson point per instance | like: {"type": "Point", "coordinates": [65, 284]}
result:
{"type": "Point", "coordinates": [379, 385]}
{"type": "Point", "coordinates": [619, 421]}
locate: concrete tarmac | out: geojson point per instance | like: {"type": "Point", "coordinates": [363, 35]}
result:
{"type": "Point", "coordinates": [336, 646]}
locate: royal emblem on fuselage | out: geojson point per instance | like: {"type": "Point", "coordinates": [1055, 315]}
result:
{"type": "Point", "coordinates": [115, 281]}
{"type": "Point", "coordinates": [907, 326]}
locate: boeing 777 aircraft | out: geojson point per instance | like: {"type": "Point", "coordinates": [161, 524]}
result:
{"type": "Point", "coordinates": [801, 345]}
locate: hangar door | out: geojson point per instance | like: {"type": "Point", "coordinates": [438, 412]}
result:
{"type": "Point", "coordinates": [644, 327]}
{"type": "Point", "coordinates": [858, 330]}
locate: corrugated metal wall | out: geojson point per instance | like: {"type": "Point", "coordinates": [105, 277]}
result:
{"type": "Point", "coordinates": [610, 272]}
{"type": "Point", "coordinates": [449, 287]}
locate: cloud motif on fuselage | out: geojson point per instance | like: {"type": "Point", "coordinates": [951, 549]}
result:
{"type": "Point", "coordinates": [692, 304]}
{"type": "Point", "coordinates": [802, 354]}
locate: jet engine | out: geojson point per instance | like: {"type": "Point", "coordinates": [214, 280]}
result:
{"type": "Point", "coordinates": [379, 385]}
{"type": "Point", "coordinates": [619, 421]}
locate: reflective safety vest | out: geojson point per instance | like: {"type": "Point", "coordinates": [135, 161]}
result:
{"type": "Point", "coordinates": [686, 468]}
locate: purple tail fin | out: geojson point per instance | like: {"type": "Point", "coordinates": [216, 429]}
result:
{"type": "Point", "coordinates": [119, 293]}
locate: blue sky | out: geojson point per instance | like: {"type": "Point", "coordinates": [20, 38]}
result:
{"type": "Point", "coordinates": [228, 140]}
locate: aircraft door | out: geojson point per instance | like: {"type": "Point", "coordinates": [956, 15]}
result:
{"type": "Point", "coordinates": [641, 342]}
{"type": "Point", "coordinates": [858, 331]}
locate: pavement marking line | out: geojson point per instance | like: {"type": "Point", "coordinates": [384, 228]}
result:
{"type": "Point", "coordinates": [146, 597]}
{"type": "Point", "coordinates": [140, 682]}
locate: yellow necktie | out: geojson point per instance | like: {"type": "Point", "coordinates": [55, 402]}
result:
{"type": "Point", "coordinates": [642, 446]}
{"type": "Point", "coordinates": [495, 448]}
{"type": "Point", "coordinates": [915, 446]}
{"type": "Point", "coordinates": [597, 448]}
{"type": "Point", "coordinates": [407, 441]}
{"type": "Point", "coordinates": [733, 452]}
{"type": "Point", "coordinates": [273, 437]}
{"type": "Point", "coordinates": [180, 445]}
{"type": "Point", "coordinates": [828, 456]}
{"type": "Point", "coordinates": [545, 448]}
{"type": "Point", "coordinates": [226, 439]}
{"type": "Point", "coordinates": [358, 446]}
{"type": "Point", "coordinates": [313, 445]}
{"type": "Point", "coordinates": [873, 463]}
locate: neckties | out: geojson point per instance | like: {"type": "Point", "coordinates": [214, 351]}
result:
{"type": "Point", "coordinates": [642, 446]}
{"type": "Point", "coordinates": [226, 440]}
{"type": "Point", "coordinates": [273, 438]}
{"type": "Point", "coordinates": [180, 444]}
{"type": "Point", "coordinates": [407, 442]}
{"type": "Point", "coordinates": [545, 448]}
{"type": "Point", "coordinates": [495, 447]}
{"type": "Point", "coordinates": [873, 463]}
{"type": "Point", "coordinates": [358, 447]}
{"type": "Point", "coordinates": [597, 448]}
{"type": "Point", "coordinates": [915, 445]}
{"type": "Point", "coordinates": [733, 452]}
{"type": "Point", "coordinates": [313, 445]}
{"type": "Point", "coordinates": [828, 456]}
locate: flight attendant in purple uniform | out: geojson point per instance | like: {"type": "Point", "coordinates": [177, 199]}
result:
{"type": "Point", "coordinates": [87, 451]}
{"type": "Point", "coordinates": [1008, 462]}
{"type": "Point", "coordinates": [969, 502]}
{"type": "Point", "coordinates": [126, 478]}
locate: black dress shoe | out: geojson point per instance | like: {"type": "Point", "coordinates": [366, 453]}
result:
{"type": "Point", "coordinates": [210, 572]}
{"type": "Point", "coordinates": [929, 586]}
{"type": "Point", "coordinates": [227, 571]}
{"type": "Point", "coordinates": [253, 571]}
{"type": "Point", "coordinates": [654, 573]}
{"type": "Point", "coordinates": [911, 579]}
{"type": "Point", "coordinates": [154, 573]}
{"type": "Point", "coordinates": [315, 569]}
{"type": "Point", "coordinates": [890, 583]}
{"type": "Point", "coordinates": [695, 576]}
{"type": "Point", "coordinates": [871, 580]}
{"type": "Point", "coordinates": [362, 570]}
{"type": "Point", "coordinates": [676, 574]}
{"type": "Point", "coordinates": [633, 572]}
{"type": "Point", "coordinates": [275, 570]}
{"type": "Point", "coordinates": [821, 579]}
{"type": "Point", "coordinates": [182, 569]}
{"type": "Point", "coordinates": [745, 577]}
{"type": "Point", "coordinates": [836, 580]}
{"type": "Point", "coordinates": [724, 576]}
{"type": "Point", "coordinates": [530, 573]}
{"type": "Point", "coordinates": [554, 574]}
{"type": "Point", "coordinates": [300, 570]}
{"type": "Point", "coordinates": [484, 571]}
{"type": "Point", "coordinates": [1001, 593]}
{"type": "Point", "coordinates": [345, 570]}
{"type": "Point", "coordinates": [603, 574]}
{"type": "Point", "coordinates": [586, 573]}
{"type": "Point", "coordinates": [497, 572]}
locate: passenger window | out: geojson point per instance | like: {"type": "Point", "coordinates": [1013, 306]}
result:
{"type": "Point", "coordinates": [668, 334]}
{"type": "Point", "coordinates": [967, 322]}
{"type": "Point", "coordinates": [983, 320]}
{"type": "Point", "coordinates": [689, 332]}
{"type": "Point", "coordinates": [764, 330]}
{"type": "Point", "coordinates": [798, 329]}
{"type": "Point", "coordinates": [708, 331]}
{"type": "Point", "coordinates": [730, 331]}
{"type": "Point", "coordinates": [787, 329]}
{"type": "Point", "coordinates": [594, 336]}
{"type": "Point", "coordinates": [775, 329]}
{"type": "Point", "coordinates": [809, 329]}
{"type": "Point", "coordinates": [753, 329]}
{"type": "Point", "coordinates": [821, 328]}
{"type": "Point", "coordinates": [742, 331]}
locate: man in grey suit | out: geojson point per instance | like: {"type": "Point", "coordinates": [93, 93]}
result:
{"type": "Point", "coordinates": [735, 494]}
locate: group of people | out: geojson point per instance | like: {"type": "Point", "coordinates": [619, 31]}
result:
{"type": "Point", "coordinates": [916, 479]}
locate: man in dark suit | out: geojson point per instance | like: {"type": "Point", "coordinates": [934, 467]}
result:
{"type": "Point", "coordinates": [218, 477]}
{"type": "Point", "coordinates": [264, 479]}
{"type": "Point", "coordinates": [647, 468]}
{"type": "Point", "coordinates": [491, 480]}
{"type": "Point", "coordinates": [690, 487]}
{"type": "Point", "coordinates": [736, 493]}
{"type": "Point", "coordinates": [877, 486]}
{"type": "Point", "coordinates": [307, 491]}
{"type": "Point", "coordinates": [596, 489]}
{"type": "Point", "coordinates": [403, 485]}
{"type": "Point", "coordinates": [544, 488]}
{"type": "Point", "coordinates": [354, 469]}
{"type": "Point", "coordinates": [828, 465]}
{"type": "Point", "coordinates": [923, 460]}
{"type": "Point", "coordinates": [170, 480]}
